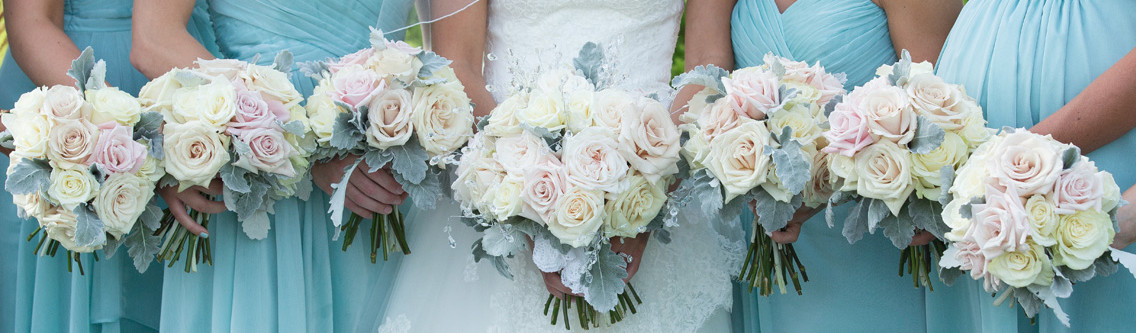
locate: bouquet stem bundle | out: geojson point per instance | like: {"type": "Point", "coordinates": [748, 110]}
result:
{"type": "Point", "coordinates": [768, 263]}
{"type": "Point", "coordinates": [918, 261]}
{"type": "Point", "coordinates": [179, 239]}
{"type": "Point", "coordinates": [587, 315]}
{"type": "Point", "coordinates": [52, 246]}
{"type": "Point", "coordinates": [383, 228]}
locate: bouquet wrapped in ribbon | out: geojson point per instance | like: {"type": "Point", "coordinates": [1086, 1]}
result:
{"type": "Point", "coordinates": [238, 122]}
{"type": "Point", "coordinates": [85, 165]}
{"type": "Point", "coordinates": [390, 105]}
{"type": "Point", "coordinates": [893, 145]}
{"type": "Point", "coordinates": [1030, 217]}
{"type": "Point", "coordinates": [753, 136]}
{"type": "Point", "coordinates": [574, 166]}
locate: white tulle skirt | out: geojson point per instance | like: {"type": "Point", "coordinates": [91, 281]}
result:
{"type": "Point", "coordinates": [685, 285]}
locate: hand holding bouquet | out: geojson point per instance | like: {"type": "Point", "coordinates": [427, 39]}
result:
{"type": "Point", "coordinates": [389, 105]}
{"type": "Point", "coordinates": [893, 146]}
{"type": "Point", "coordinates": [1030, 216]}
{"type": "Point", "coordinates": [236, 121]}
{"type": "Point", "coordinates": [84, 165]}
{"type": "Point", "coordinates": [753, 136]}
{"type": "Point", "coordinates": [573, 167]}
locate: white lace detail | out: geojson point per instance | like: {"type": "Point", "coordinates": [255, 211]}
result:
{"type": "Point", "coordinates": [638, 36]}
{"type": "Point", "coordinates": [399, 324]}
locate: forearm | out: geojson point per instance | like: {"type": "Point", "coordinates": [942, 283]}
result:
{"type": "Point", "coordinates": [707, 42]}
{"type": "Point", "coordinates": [920, 26]}
{"type": "Point", "coordinates": [461, 38]}
{"type": "Point", "coordinates": [474, 84]}
{"type": "Point", "coordinates": [39, 45]}
{"type": "Point", "coordinates": [1101, 113]}
{"type": "Point", "coordinates": [159, 41]}
{"type": "Point", "coordinates": [1127, 218]}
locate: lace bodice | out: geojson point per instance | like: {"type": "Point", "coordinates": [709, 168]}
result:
{"type": "Point", "coordinates": [638, 37]}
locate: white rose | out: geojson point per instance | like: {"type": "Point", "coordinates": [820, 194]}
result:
{"type": "Point", "coordinates": [925, 167]}
{"type": "Point", "coordinates": [578, 216]}
{"type": "Point", "coordinates": [505, 198]}
{"type": "Point", "coordinates": [476, 174]}
{"type": "Point", "coordinates": [63, 102]}
{"type": "Point", "coordinates": [805, 126]}
{"type": "Point", "coordinates": [697, 147]}
{"type": "Point", "coordinates": [71, 143]}
{"type": "Point", "coordinates": [503, 119]}
{"type": "Point", "coordinates": [158, 94]}
{"type": "Point", "coordinates": [194, 153]}
{"type": "Point", "coordinates": [942, 103]}
{"type": "Point", "coordinates": [889, 114]}
{"type": "Point", "coordinates": [649, 140]}
{"type": "Point", "coordinates": [1111, 198]}
{"type": "Point", "coordinates": [110, 104]}
{"type": "Point", "coordinates": [630, 212]}
{"type": "Point", "coordinates": [519, 152]}
{"type": "Point", "coordinates": [609, 107]}
{"type": "Point", "coordinates": [885, 174]}
{"type": "Point", "coordinates": [974, 131]}
{"type": "Point", "coordinates": [151, 169]}
{"type": "Point", "coordinates": [1023, 268]}
{"type": "Point", "coordinates": [1043, 220]}
{"type": "Point", "coordinates": [1028, 162]}
{"type": "Point", "coordinates": [544, 185]}
{"type": "Point", "coordinates": [592, 161]}
{"type": "Point", "coordinates": [952, 217]}
{"type": "Point", "coordinates": [844, 168]}
{"type": "Point", "coordinates": [31, 205]}
{"type": "Point", "coordinates": [60, 225]}
{"type": "Point", "coordinates": [30, 103]}
{"type": "Point", "coordinates": [272, 84]}
{"type": "Point", "coordinates": [322, 112]}
{"type": "Point", "coordinates": [212, 103]}
{"type": "Point", "coordinates": [1082, 238]}
{"type": "Point", "coordinates": [544, 110]}
{"type": "Point", "coordinates": [442, 118]}
{"type": "Point", "coordinates": [579, 110]}
{"type": "Point", "coordinates": [121, 201]}
{"type": "Point", "coordinates": [395, 64]}
{"type": "Point", "coordinates": [389, 114]}
{"type": "Point", "coordinates": [30, 132]}
{"type": "Point", "coordinates": [737, 158]}
{"type": "Point", "coordinates": [71, 187]}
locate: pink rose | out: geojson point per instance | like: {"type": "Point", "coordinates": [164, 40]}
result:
{"type": "Point", "coordinates": [752, 93]}
{"type": "Point", "coordinates": [1079, 188]}
{"type": "Point", "coordinates": [116, 151]}
{"type": "Point", "coordinates": [253, 111]}
{"type": "Point", "coordinates": [1028, 162]}
{"type": "Point", "coordinates": [848, 131]}
{"type": "Point", "coordinates": [889, 114]}
{"type": "Point", "coordinates": [403, 47]}
{"type": "Point", "coordinates": [270, 152]}
{"type": "Point", "coordinates": [355, 86]}
{"type": "Point", "coordinates": [719, 118]}
{"type": "Point", "coordinates": [829, 85]}
{"type": "Point", "coordinates": [543, 185]}
{"type": "Point", "coordinates": [358, 58]}
{"type": "Point", "coordinates": [1001, 224]}
{"type": "Point", "coordinates": [649, 140]}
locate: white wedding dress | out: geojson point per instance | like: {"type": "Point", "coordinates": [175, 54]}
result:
{"type": "Point", "coordinates": [685, 285]}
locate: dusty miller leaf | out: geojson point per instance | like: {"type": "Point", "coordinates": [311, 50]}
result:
{"type": "Point", "coordinates": [947, 177]}
{"type": "Point", "coordinates": [376, 159]}
{"type": "Point", "coordinates": [899, 231]}
{"type": "Point", "coordinates": [142, 246]}
{"type": "Point", "coordinates": [149, 125]}
{"type": "Point", "coordinates": [927, 215]}
{"type": "Point", "coordinates": [502, 240]}
{"type": "Point", "coordinates": [606, 284]}
{"type": "Point", "coordinates": [89, 229]}
{"type": "Point", "coordinates": [709, 76]}
{"type": "Point", "coordinates": [856, 224]}
{"type": "Point", "coordinates": [431, 62]}
{"type": "Point", "coordinates": [498, 262]}
{"type": "Point", "coordinates": [425, 193]}
{"type": "Point", "coordinates": [295, 127]}
{"type": "Point", "coordinates": [877, 212]}
{"type": "Point", "coordinates": [234, 178]}
{"type": "Point", "coordinates": [589, 62]}
{"type": "Point", "coordinates": [283, 62]}
{"type": "Point", "coordinates": [773, 214]}
{"type": "Point", "coordinates": [339, 196]}
{"type": "Point", "coordinates": [345, 134]}
{"type": "Point", "coordinates": [1070, 156]}
{"type": "Point", "coordinates": [81, 69]}
{"type": "Point", "coordinates": [409, 161]}
{"type": "Point", "coordinates": [29, 176]}
{"type": "Point", "coordinates": [928, 136]}
{"type": "Point", "coordinates": [792, 165]}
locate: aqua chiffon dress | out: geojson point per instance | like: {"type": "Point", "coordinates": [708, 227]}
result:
{"type": "Point", "coordinates": [297, 279]}
{"type": "Point", "coordinates": [852, 287]}
{"type": "Point", "coordinates": [1024, 60]}
{"type": "Point", "coordinates": [38, 294]}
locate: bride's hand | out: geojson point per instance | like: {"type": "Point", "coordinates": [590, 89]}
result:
{"type": "Point", "coordinates": [193, 197]}
{"type": "Point", "coordinates": [367, 193]}
{"type": "Point", "coordinates": [633, 247]}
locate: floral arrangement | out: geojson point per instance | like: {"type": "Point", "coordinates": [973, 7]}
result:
{"type": "Point", "coordinates": [573, 165]}
{"type": "Point", "coordinates": [753, 136]}
{"type": "Point", "coordinates": [389, 105]}
{"type": "Point", "coordinates": [236, 121]}
{"type": "Point", "coordinates": [1030, 217]}
{"type": "Point", "coordinates": [84, 165]}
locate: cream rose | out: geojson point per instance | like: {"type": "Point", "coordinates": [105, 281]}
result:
{"type": "Point", "coordinates": [30, 132]}
{"type": "Point", "coordinates": [476, 174]}
{"type": "Point", "coordinates": [544, 185]}
{"type": "Point", "coordinates": [578, 216]}
{"type": "Point", "coordinates": [121, 201]}
{"type": "Point", "coordinates": [925, 167]}
{"type": "Point", "coordinates": [631, 211]}
{"type": "Point", "coordinates": [974, 130]}
{"type": "Point", "coordinates": [271, 83]}
{"type": "Point", "coordinates": [884, 172]}
{"type": "Point", "coordinates": [72, 142]}
{"type": "Point", "coordinates": [819, 188]}
{"type": "Point", "coordinates": [322, 113]}
{"type": "Point", "coordinates": [158, 94]}
{"type": "Point", "coordinates": [609, 108]}
{"type": "Point", "coordinates": [503, 119]}
{"type": "Point", "coordinates": [806, 127]}
{"type": "Point", "coordinates": [942, 103]}
{"type": "Point", "coordinates": [579, 110]}
{"type": "Point", "coordinates": [269, 152]}
{"type": "Point", "coordinates": [519, 152]}
{"type": "Point", "coordinates": [1022, 268]}
{"type": "Point", "coordinates": [1111, 198]}
{"type": "Point", "coordinates": [151, 169]}
{"type": "Point", "coordinates": [30, 103]}
{"type": "Point", "coordinates": [389, 116]}
{"type": "Point", "coordinates": [752, 93]}
{"type": "Point", "coordinates": [1082, 238]}
{"type": "Point", "coordinates": [395, 64]}
{"type": "Point", "coordinates": [63, 102]}
{"type": "Point", "coordinates": [442, 118]}
{"type": "Point", "coordinates": [1001, 224]}
{"type": "Point", "coordinates": [31, 205]}
{"type": "Point", "coordinates": [649, 140]}
{"type": "Point", "coordinates": [889, 114]}
{"type": "Point", "coordinates": [719, 118]}
{"type": "Point", "coordinates": [544, 110]}
{"type": "Point", "coordinates": [737, 158]}
{"type": "Point", "coordinates": [1079, 188]}
{"type": "Point", "coordinates": [212, 103]}
{"type": "Point", "coordinates": [1027, 162]}
{"type": "Point", "coordinates": [194, 153]}
{"type": "Point", "coordinates": [1043, 220]}
{"type": "Point", "coordinates": [505, 198]}
{"type": "Point", "coordinates": [60, 225]}
{"type": "Point", "coordinates": [952, 217]}
{"type": "Point", "coordinates": [592, 161]}
{"type": "Point", "coordinates": [71, 187]}
{"type": "Point", "coordinates": [110, 104]}
{"type": "Point", "coordinates": [227, 68]}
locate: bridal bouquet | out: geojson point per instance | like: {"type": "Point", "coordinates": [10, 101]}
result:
{"type": "Point", "coordinates": [389, 105]}
{"type": "Point", "coordinates": [236, 121]}
{"type": "Point", "coordinates": [753, 136]}
{"type": "Point", "coordinates": [1030, 217]}
{"type": "Point", "coordinates": [85, 164]}
{"type": "Point", "coordinates": [893, 147]}
{"type": "Point", "coordinates": [570, 164]}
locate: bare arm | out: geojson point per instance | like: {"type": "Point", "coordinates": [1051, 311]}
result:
{"type": "Point", "coordinates": [1127, 218]}
{"type": "Point", "coordinates": [920, 26]}
{"type": "Point", "coordinates": [39, 45]}
{"type": "Point", "coordinates": [1101, 113]}
{"type": "Point", "coordinates": [707, 43]}
{"type": "Point", "coordinates": [159, 40]}
{"type": "Point", "coordinates": [461, 38]}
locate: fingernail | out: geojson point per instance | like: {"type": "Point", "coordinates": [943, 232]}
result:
{"type": "Point", "coordinates": [203, 234]}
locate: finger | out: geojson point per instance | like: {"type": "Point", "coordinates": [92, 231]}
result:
{"type": "Point", "coordinates": [359, 197]}
{"type": "Point", "coordinates": [384, 179]}
{"type": "Point", "coordinates": [368, 187]}
{"type": "Point", "coordinates": [200, 203]}
{"type": "Point", "coordinates": [355, 208]}
{"type": "Point", "coordinates": [177, 209]}
{"type": "Point", "coordinates": [216, 187]}
{"type": "Point", "coordinates": [788, 234]}
{"type": "Point", "coordinates": [922, 238]}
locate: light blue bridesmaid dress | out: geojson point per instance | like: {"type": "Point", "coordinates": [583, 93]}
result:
{"type": "Point", "coordinates": [852, 287]}
{"type": "Point", "coordinates": [297, 279]}
{"type": "Point", "coordinates": [38, 293]}
{"type": "Point", "coordinates": [1024, 60]}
